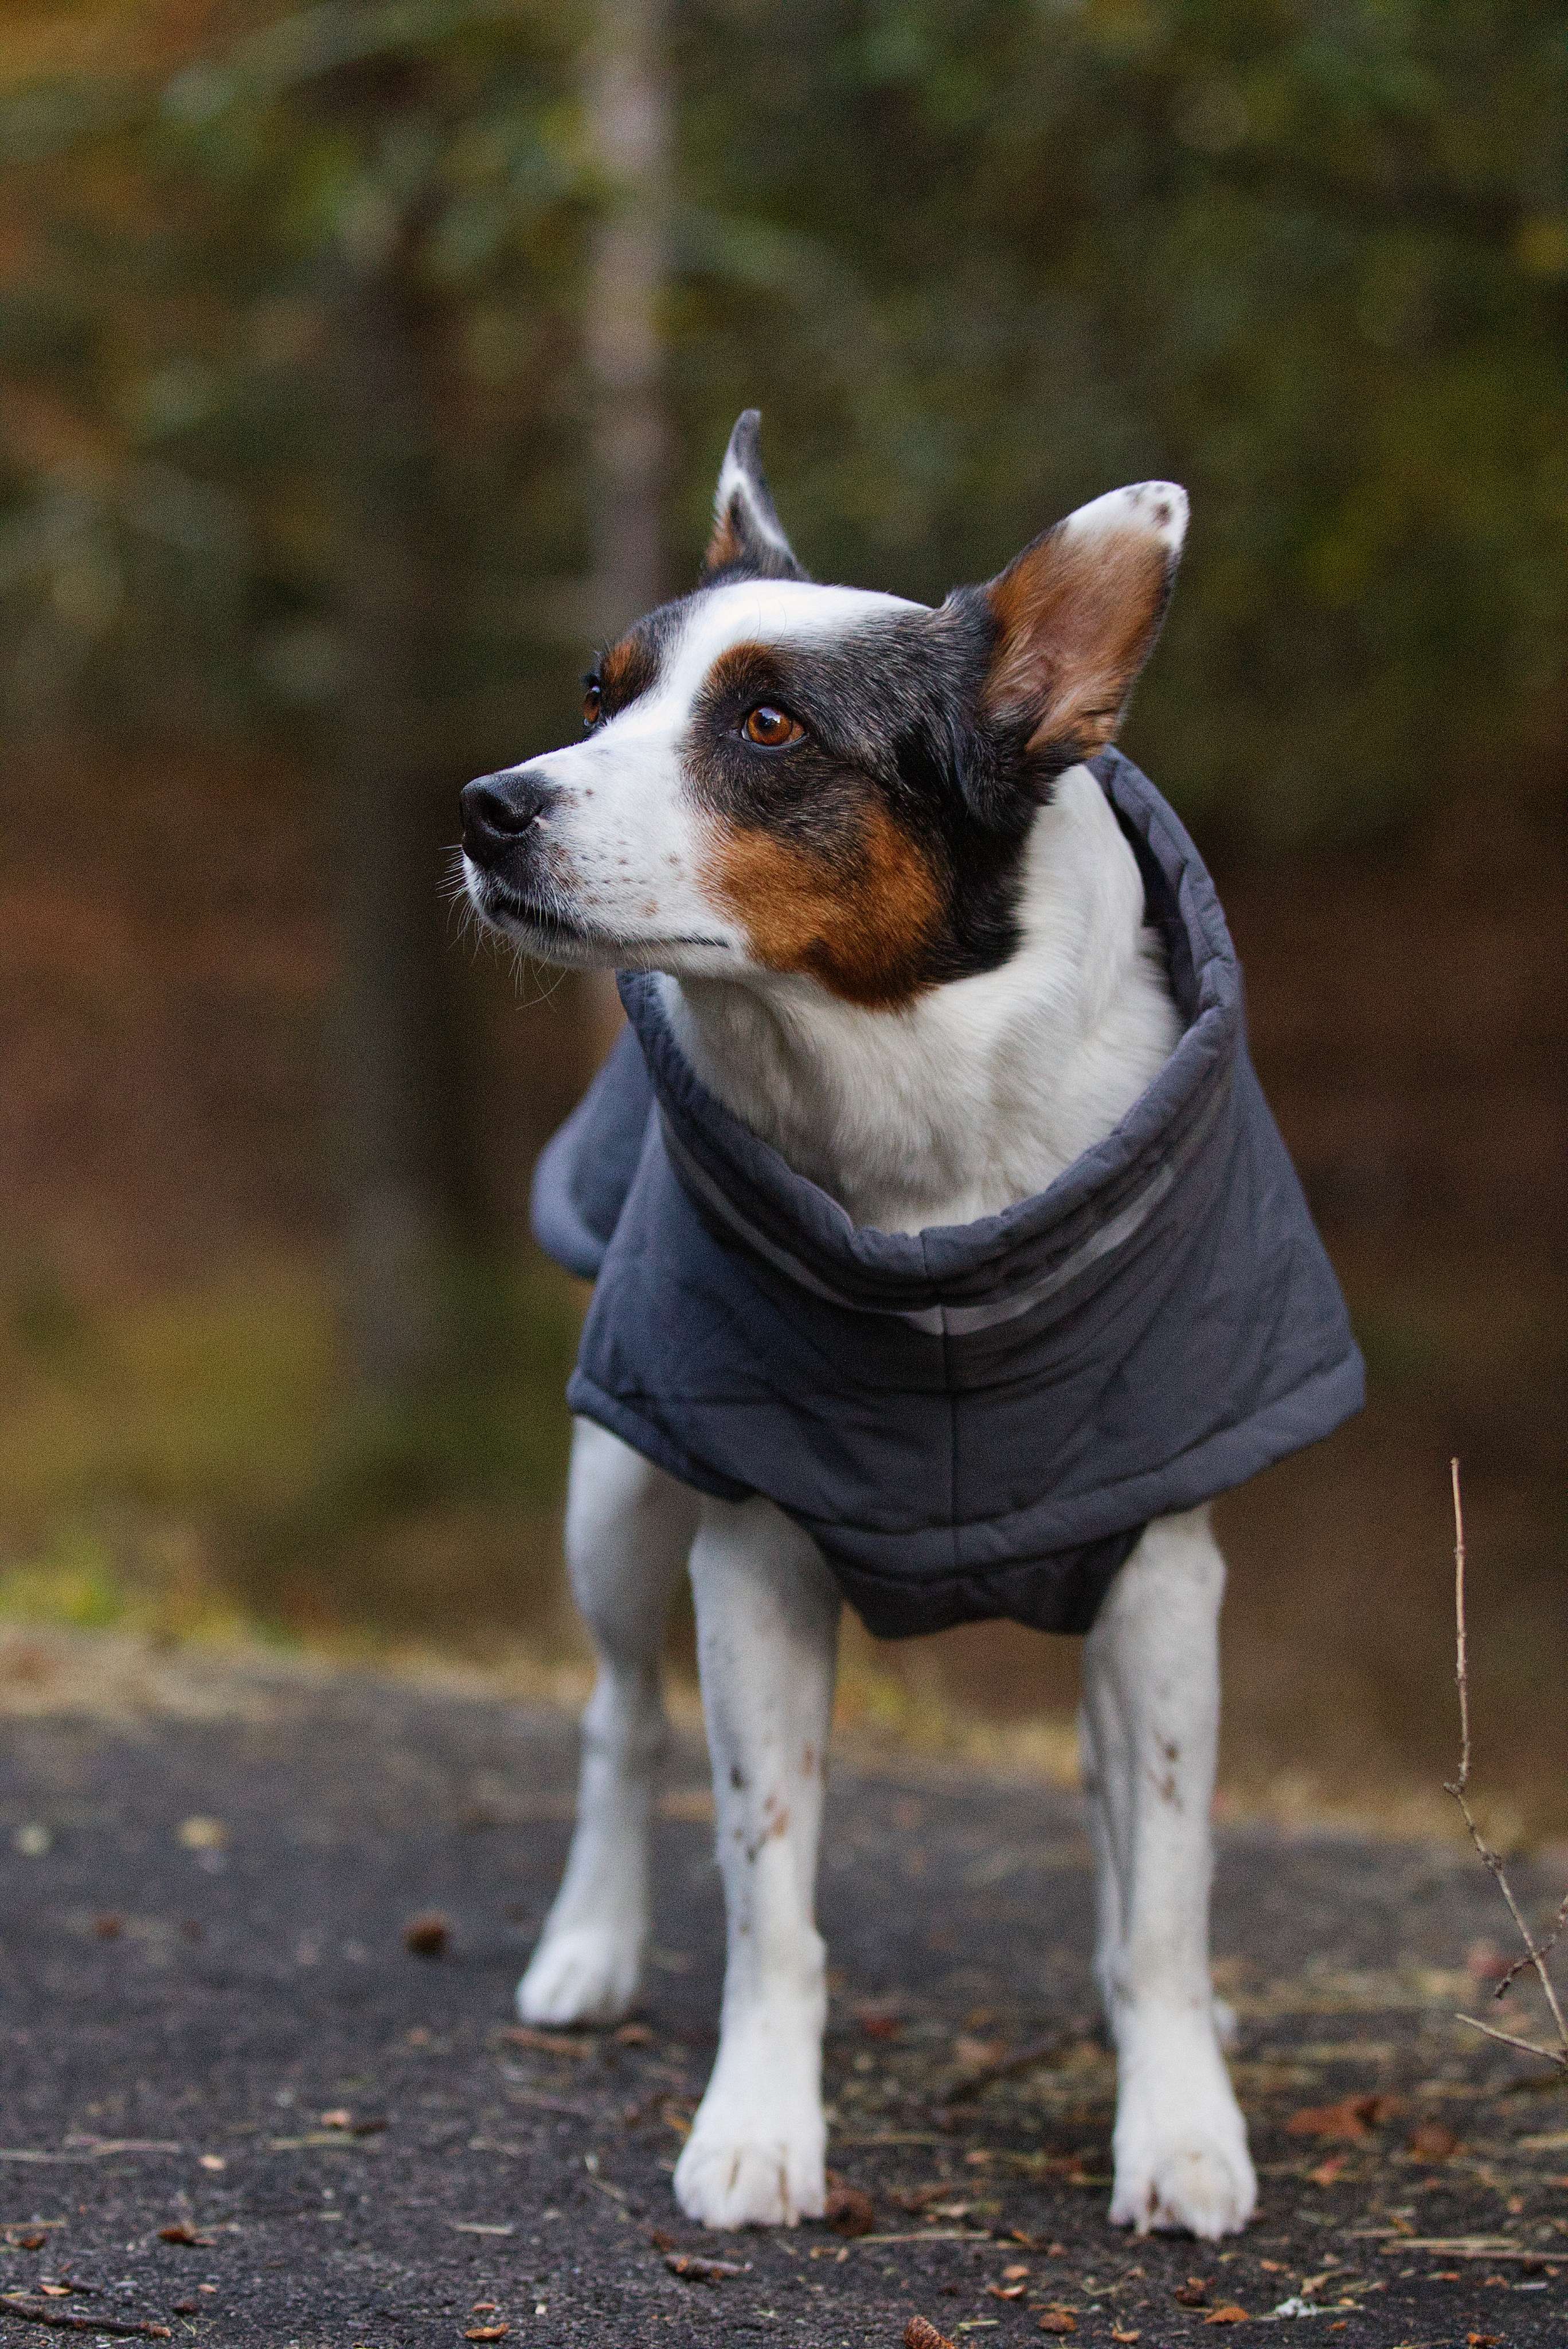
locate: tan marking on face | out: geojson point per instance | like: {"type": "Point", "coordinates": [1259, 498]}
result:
{"type": "Point", "coordinates": [1079, 613]}
{"type": "Point", "coordinates": [625, 670]}
{"type": "Point", "coordinates": [858, 922]}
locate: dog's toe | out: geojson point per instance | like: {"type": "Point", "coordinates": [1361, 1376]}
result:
{"type": "Point", "coordinates": [760, 2179]}
{"type": "Point", "coordinates": [1192, 2189]}
{"type": "Point", "coordinates": [580, 1974]}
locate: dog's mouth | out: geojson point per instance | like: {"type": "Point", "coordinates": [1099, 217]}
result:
{"type": "Point", "coordinates": [549, 929]}
{"type": "Point", "coordinates": [500, 902]}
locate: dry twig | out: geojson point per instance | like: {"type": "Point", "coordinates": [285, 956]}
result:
{"type": "Point", "coordinates": [66, 2321]}
{"type": "Point", "coordinates": [1535, 1952]}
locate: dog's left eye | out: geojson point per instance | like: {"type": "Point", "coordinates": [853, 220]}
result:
{"type": "Point", "coordinates": [770, 728]}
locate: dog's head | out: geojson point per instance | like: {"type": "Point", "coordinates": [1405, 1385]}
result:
{"type": "Point", "coordinates": [783, 777]}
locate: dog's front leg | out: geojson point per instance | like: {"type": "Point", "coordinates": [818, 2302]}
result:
{"type": "Point", "coordinates": [1151, 1704]}
{"type": "Point", "coordinates": [628, 1530]}
{"type": "Point", "coordinates": [767, 1615]}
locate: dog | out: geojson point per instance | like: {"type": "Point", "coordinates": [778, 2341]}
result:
{"type": "Point", "coordinates": [902, 938]}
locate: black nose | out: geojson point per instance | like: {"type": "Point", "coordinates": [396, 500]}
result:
{"type": "Point", "coordinates": [497, 810]}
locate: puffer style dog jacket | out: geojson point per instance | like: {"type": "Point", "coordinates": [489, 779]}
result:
{"type": "Point", "coordinates": [978, 1419]}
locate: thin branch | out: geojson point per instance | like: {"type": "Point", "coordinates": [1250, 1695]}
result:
{"type": "Point", "coordinates": [1546, 1948]}
{"type": "Point", "coordinates": [1534, 1952]}
{"type": "Point", "coordinates": [1506, 2038]}
{"type": "Point", "coordinates": [1461, 1640]}
{"type": "Point", "coordinates": [66, 2321]}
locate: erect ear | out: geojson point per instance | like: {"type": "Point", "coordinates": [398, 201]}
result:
{"type": "Point", "coordinates": [1077, 617]}
{"type": "Point", "coordinates": [747, 535]}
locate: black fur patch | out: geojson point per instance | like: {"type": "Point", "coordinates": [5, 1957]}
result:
{"type": "Point", "coordinates": [894, 734]}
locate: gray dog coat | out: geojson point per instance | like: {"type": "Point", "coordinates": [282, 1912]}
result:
{"type": "Point", "coordinates": [978, 1420]}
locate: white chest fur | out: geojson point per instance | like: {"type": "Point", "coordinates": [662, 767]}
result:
{"type": "Point", "coordinates": [981, 1092]}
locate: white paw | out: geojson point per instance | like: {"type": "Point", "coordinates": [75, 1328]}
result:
{"type": "Point", "coordinates": [1181, 2160]}
{"type": "Point", "coordinates": [581, 1974]}
{"type": "Point", "coordinates": [757, 2162]}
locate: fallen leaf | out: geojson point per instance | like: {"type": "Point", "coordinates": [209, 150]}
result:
{"type": "Point", "coordinates": [427, 1934]}
{"type": "Point", "coordinates": [1006, 2291]}
{"type": "Point", "coordinates": [879, 2022]}
{"type": "Point", "coordinates": [1327, 2171]}
{"type": "Point", "coordinates": [32, 2242]}
{"type": "Point", "coordinates": [187, 2307]}
{"type": "Point", "coordinates": [1433, 2141]}
{"type": "Point", "coordinates": [972, 2054]}
{"type": "Point", "coordinates": [921, 2333]}
{"type": "Point", "coordinates": [109, 1926]}
{"type": "Point", "coordinates": [1059, 2320]}
{"type": "Point", "coordinates": [1011, 2274]}
{"type": "Point", "coordinates": [55, 2290]}
{"type": "Point", "coordinates": [1272, 2267]}
{"type": "Point", "coordinates": [1229, 2314]}
{"type": "Point", "coordinates": [1194, 2292]}
{"type": "Point", "coordinates": [487, 2333]}
{"type": "Point", "coordinates": [339, 2117]}
{"type": "Point", "coordinates": [1482, 2340]}
{"type": "Point", "coordinates": [182, 2232]}
{"type": "Point", "coordinates": [545, 2043]}
{"type": "Point", "coordinates": [202, 1833]}
{"type": "Point", "coordinates": [213, 2161]}
{"type": "Point", "coordinates": [634, 2035]}
{"type": "Point", "coordinates": [483, 2308]}
{"type": "Point", "coordinates": [1350, 2120]}
{"type": "Point", "coordinates": [849, 2209]}
{"type": "Point", "coordinates": [696, 2270]}
{"type": "Point", "coordinates": [1117, 2334]}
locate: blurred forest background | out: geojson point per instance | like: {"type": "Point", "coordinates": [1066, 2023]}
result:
{"type": "Point", "coordinates": [361, 363]}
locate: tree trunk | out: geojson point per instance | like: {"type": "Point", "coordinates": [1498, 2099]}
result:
{"type": "Point", "coordinates": [399, 1099]}
{"type": "Point", "coordinates": [627, 102]}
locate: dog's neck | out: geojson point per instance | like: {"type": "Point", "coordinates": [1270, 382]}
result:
{"type": "Point", "coordinates": [982, 1092]}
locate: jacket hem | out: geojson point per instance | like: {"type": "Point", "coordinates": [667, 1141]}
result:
{"type": "Point", "coordinates": [587, 1399]}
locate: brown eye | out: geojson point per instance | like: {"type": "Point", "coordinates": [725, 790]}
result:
{"type": "Point", "coordinates": [593, 703]}
{"type": "Point", "coordinates": [770, 728]}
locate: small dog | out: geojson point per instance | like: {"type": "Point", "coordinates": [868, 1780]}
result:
{"type": "Point", "coordinates": [902, 941]}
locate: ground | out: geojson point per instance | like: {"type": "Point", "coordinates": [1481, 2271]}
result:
{"type": "Point", "coordinates": [234, 2102]}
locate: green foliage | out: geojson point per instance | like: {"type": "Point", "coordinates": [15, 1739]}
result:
{"type": "Point", "coordinates": [976, 262]}
{"type": "Point", "coordinates": [1309, 259]}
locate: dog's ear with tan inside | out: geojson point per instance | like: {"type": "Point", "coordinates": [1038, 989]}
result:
{"type": "Point", "coordinates": [1077, 614]}
{"type": "Point", "coordinates": [748, 541]}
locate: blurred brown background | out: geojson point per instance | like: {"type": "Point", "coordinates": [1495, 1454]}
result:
{"type": "Point", "coordinates": [359, 364]}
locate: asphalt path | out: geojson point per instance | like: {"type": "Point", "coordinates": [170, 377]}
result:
{"type": "Point", "coordinates": [235, 2103]}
